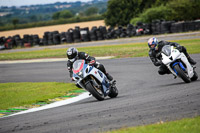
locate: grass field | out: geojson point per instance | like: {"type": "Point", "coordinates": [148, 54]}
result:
{"type": "Point", "coordinates": [20, 94]}
{"type": "Point", "coordinates": [187, 125]}
{"type": "Point", "coordinates": [119, 51]}
{"type": "Point", "coordinates": [61, 28]}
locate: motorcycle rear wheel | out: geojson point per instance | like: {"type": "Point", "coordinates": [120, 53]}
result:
{"type": "Point", "coordinates": [95, 93]}
{"type": "Point", "coordinates": [182, 74]}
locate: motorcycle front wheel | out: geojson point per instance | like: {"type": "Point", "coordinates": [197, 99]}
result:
{"type": "Point", "coordinates": [182, 74]}
{"type": "Point", "coordinates": [195, 77]}
{"type": "Point", "coordinates": [113, 92]}
{"type": "Point", "coordinates": [98, 94]}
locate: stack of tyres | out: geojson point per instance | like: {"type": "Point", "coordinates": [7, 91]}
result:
{"type": "Point", "coordinates": [85, 35]}
{"type": "Point", "coordinates": [123, 33]}
{"type": "Point", "coordinates": [20, 43]}
{"type": "Point", "coordinates": [56, 37]}
{"type": "Point", "coordinates": [77, 34]}
{"type": "Point", "coordinates": [93, 33]}
{"type": "Point", "coordinates": [45, 38]}
{"type": "Point", "coordinates": [31, 40]}
{"type": "Point", "coordinates": [156, 28]}
{"type": "Point", "coordinates": [147, 29]}
{"type": "Point", "coordinates": [9, 43]}
{"type": "Point", "coordinates": [103, 31]}
{"type": "Point", "coordinates": [119, 31]}
{"type": "Point", "coordinates": [197, 24]}
{"type": "Point", "coordinates": [16, 40]}
{"type": "Point", "coordinates": [189, 26]}
{"type": "Point", "coordinates": [139, 29]}
{"type": "Point", "coordinates": [177, 27]}
{"type": "Point", "coordinates": [36, 40]}
{"type": "Point", "coordinates": [2, 42]}
{"type": "Point", "coordinates": [63, 37]}
{"type": "Point", "coordinates": [69, 36]}
{"type": "Point", "coordinates": [100, 35]}
{"type": "Point", "coordinates": [26, 38]}
{"type": "Point", "coordinates": [111, 33]}
{"type": "Point", "coordinates": [165, 27]}
{"type": "Point", "coordinates": [50, 38]}
{"type": "Point", "coordinates": [130, 31]}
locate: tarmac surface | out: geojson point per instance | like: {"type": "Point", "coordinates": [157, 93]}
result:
{"type": "Point", "coordinates": [145, 97]}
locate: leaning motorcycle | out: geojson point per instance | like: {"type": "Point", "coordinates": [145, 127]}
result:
{"type": "Point", "coordinates": [93, 80]}
{"type": "Point", "coordinates": [178, 64]}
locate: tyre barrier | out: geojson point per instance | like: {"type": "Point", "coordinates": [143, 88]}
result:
{"type": "Point", "coordinates": [98, 33]}
{"type": "Point", "coordinates": [93, 33]}
{"type": "Point", "coordinates": [131, 30]}
{"type": "Point", "coordinates": [165, 27]}
{"type": "Point", "coordinates": [85, 34]}
{"type": "Point", "coordinates": [69, 36]}
{"type": "Point", "coordinates": [63, 37]}
{"type": "Point", "coordinates": [77, 34]}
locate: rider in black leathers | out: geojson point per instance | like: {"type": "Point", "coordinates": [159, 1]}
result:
{"type": "Point", "coordinates": [156, 47]}
{"type": "Point", "coordinates": [73, 55]}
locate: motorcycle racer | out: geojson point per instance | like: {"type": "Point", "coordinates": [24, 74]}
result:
{"type": "Point", "coordinates": [156, 46]}
{"type": "Point", "coordinates": [73, 55]}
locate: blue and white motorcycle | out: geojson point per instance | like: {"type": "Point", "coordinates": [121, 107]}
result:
{"type": "Point", "coordinates": [178, 64]}
{"type": "Point", "coordinates": [93, 80]}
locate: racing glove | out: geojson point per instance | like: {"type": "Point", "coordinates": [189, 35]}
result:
{"type": "Point", "coordinates": [92, 62]}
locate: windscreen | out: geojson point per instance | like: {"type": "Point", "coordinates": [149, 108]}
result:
{"type": "Point", "coordinates": [166, 50]}
{"type": "Point", "coordinates": [78, 65]}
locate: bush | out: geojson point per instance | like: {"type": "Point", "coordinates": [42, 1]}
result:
{"type": "Point", "coordinates": [151, 14]}
{"type": "Point", "coordinates": [120, 12]}
{"type": "Point", "coordinates": [62, 14]}
{"type": "Point", "coordinates": [184, 9]}
{"type": "Point", "coordinates": [175, 10]}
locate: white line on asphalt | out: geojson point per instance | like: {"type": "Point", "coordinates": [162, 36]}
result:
{"type": "Point", "coordinates": [55, 104]}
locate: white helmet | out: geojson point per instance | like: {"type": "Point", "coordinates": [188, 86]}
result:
{"type": "Point", "coordinates": [152, 43]}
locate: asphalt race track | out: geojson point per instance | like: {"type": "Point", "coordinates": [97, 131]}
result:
{"type": "Point", "coordinates": [144, 97]}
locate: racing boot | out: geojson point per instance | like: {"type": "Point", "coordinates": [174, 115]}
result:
{"type": "Point", "coordinates": [110, 78]}
{"type": "Point", "coordinates": [192, 62]}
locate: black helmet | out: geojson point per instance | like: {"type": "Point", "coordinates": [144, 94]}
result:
{"type": "Point", "coordinates": [72, 53]}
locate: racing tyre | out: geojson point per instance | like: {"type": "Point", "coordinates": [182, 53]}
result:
{"type": "Point", "coordinates": [182, 74]}
{"type": "Point", "coordinates": [195, 76]}
{"type": "Point", "coordinates": [113, 92]}
{"type": "Point", "coordinates": [96, 92]}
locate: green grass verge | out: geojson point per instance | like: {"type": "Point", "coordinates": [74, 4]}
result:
{"type": "Point", "coordinates": [20, 94]}
{"type": "Point", "coordinates": [119, 51]}
{"type": "Point", "coordinates": [187, 125]}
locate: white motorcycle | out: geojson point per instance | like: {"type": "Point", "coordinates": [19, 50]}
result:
{"type": "Point", "coordinates": [178, 64]}
{"type": "Point", "coordinates": [93, 80]}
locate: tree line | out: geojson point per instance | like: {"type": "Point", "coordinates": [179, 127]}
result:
{"type": "Point", "coordinates": [123, 12]}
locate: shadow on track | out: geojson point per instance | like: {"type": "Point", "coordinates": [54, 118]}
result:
{"type": "Point", "coordinates": [179, 83]}
{"type": "Point", "coordinates": [96, 101]}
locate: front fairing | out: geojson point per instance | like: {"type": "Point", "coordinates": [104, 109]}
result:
{"type": "Point", "coordinates": [81, 71]}
{"type": "Point", "coordinates": [169, 54]}
{"type": "Point", "coordinates": [172, 56]}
